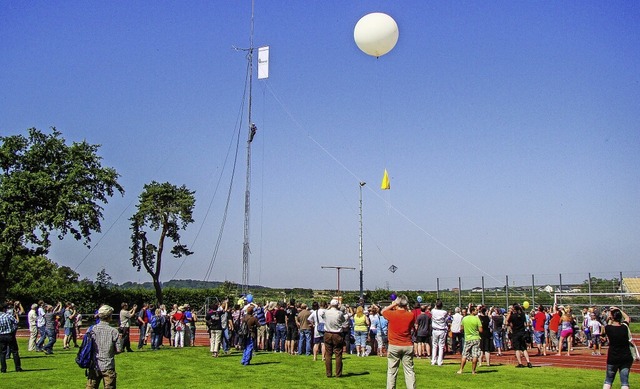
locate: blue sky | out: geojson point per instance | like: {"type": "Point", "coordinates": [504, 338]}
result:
{"type": "Point", "coordinates": [510, 130]}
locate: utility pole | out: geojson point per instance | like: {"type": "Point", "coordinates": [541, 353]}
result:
{"type": "Point", "coordinates": [338, 268]}
{"type": "Point", "coordinates": [362, 183]}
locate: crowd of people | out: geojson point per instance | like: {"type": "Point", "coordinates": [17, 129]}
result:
{"type": "Point", "coordinates": [323, 330]}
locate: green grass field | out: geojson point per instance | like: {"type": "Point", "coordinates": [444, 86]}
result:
{"type": "Point", "coordinates": [194, 368]}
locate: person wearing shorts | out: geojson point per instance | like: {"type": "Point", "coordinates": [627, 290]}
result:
{"type": "Point", "coordinates": [472, 327]}
{"type": "Point", "coordinates": [538, 330]}
{"type": "Point", "coordinates": [516, 320]}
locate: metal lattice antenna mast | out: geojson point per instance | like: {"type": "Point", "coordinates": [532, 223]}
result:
{"type": "Point", "coordinates": [246, 251]}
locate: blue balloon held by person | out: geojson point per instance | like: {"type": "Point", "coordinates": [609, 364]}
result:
{"type": "Point", "coordinates": [250, 298]}
{"type": "Point", "coordinates": [419, 298]}
{"type": "Point", "coordinates": [393, 296]}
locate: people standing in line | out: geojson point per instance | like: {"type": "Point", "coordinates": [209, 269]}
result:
{"type": "Point", "coordinates": [315, 318]}
{"type": "Point", "coordinates": [439, 330]}
{"type": "Point", "coordinates": [8, 342]}
{"type": "Point", "coordinates": [516, 319]}
{"type": "Point", "coordinates": [304, 328]}
{"type": "Point", "coordinates": [457, 337]}
{"type": "Point", "coordinates": [32, 320]}
{"type": "Point", "coordinates": [108, 343]}
{"type": "Point", "coordinates": [361, 330]}
{"type": "Point", "coordinates": [125, 324]}
{"type": "Point", "coordinates": [250, 339]}
{"type": "Point", "coordinates": [401, 322]}
{"type": "Point", "coordinates": [619, 358]}
{"type": "Point", "coordinates": [334, 320]}
{"type": "Point", "coordinates": [472, 327]}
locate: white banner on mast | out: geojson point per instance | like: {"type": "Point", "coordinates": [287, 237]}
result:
{"type": "Point", "coordinates": [263, 62]}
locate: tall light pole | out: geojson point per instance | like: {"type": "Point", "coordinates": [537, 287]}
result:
{"type": "Point", "coordinates": [362, 183]}
{"type": "Point", "coordinates": [338, 268]}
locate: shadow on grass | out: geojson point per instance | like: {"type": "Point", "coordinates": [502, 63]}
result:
{"type": "Point", "coordinates": [264, 363]}
{"type": "Point", "coordinates": [32, 356]}
{"type": "Point", "coordinates": [353, 374]}
{"type": "Point", "coordinates": [486, 371]}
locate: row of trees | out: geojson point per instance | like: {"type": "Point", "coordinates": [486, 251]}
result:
{"type": "Point", "coordinates": [48, 186]}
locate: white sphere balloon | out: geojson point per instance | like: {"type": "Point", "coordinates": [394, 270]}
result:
{"type": "Point", "coordinates": [376, 34]}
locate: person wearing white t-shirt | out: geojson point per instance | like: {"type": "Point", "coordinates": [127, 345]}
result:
{"type": "Point", "coordinates": [457, 340]}
{"type": "Point", "coordinates": [438, 333]}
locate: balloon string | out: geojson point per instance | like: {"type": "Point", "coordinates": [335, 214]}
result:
{"type": "Point", "coordinates": [376, 192]}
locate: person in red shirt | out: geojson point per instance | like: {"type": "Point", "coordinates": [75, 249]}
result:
{"type": "Point", "coordinates": [401, 322]}
{"type": "Point", "coordinates": [554, 325]}
{"type": "Point", "coordinates": [538, 330]}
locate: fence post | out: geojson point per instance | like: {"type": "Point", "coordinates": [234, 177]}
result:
{"type": "Point", "coordinates": [560, 288]}
{"type": "Point", "coordinates": [590, 301]}
{"type": "Point", "coordinates": [533, 290]}
{"type": "Point", "coordinates": [506, 291]}
{"type": "Point", "coordinates": [459, 292]}
{"type": "Point", "coordinates": [621, 294]}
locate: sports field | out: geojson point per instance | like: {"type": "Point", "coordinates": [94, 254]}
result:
{"type": "Point", "coordinates": [193, 367]}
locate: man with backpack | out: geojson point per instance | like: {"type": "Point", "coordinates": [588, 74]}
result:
{"type": "Point", "coordinates": [108, 343]}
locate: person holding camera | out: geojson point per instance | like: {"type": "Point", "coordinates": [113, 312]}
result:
{"type": "Point", "coordinates": [8, 343]}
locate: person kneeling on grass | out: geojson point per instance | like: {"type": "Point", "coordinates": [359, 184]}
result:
{"type": "Point", "coordinates": [108, 344]}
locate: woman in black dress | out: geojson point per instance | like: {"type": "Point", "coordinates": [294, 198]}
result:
{"type": "Point", "coordinates": [618, 357]}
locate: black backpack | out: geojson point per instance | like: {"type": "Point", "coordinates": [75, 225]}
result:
{"type": "Point", "coordinates": [86, 357]}
{"type": "Point", "coordinates": [244, 329]}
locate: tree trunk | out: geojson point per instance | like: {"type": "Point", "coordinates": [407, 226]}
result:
{"type": "Point", "coordinates": [158, 288]}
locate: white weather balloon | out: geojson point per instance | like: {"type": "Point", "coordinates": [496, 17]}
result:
{"type": "Point", "coordinates": [376, 34]}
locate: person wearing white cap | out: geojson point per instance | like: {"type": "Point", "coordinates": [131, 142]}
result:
{"type": "Point", "coordinates": [333, 340]}
{"type": "Point", "coordinates": [108, 344]}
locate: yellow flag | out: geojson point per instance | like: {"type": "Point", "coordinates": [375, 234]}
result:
{"type": "Point", "coordinates": [385, 181]}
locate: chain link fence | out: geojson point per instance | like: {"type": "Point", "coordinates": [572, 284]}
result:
{"type": "Point", "coordinates": [595, 289]}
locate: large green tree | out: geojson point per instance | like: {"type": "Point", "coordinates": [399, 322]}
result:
{"type": "Point", "coordinates": [166, 209]}
{"type": "Point", "coordinates": [47, 185]}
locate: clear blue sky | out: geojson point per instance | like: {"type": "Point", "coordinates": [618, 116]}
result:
{"type": "Point", "coordinates": [510, 130]}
